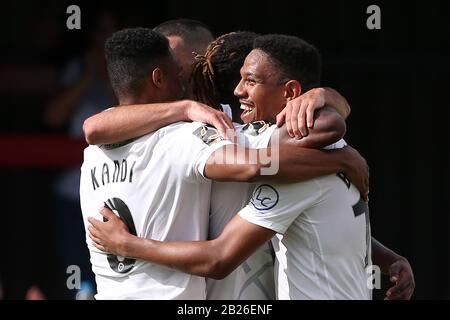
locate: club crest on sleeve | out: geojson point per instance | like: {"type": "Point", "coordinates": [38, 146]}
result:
{"type": "Point", "coordinates": [208, 135]}
{"type": "Point", "coordinates": [256, 127]}
{"type": "Point", "coordinates": [264, 197]}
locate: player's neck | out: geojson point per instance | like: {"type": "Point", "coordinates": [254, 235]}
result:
{"type": "Point", "coordinates": [143, 99]}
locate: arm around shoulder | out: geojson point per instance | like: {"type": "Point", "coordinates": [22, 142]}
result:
{"type": "Point", "coordinates": [329, 127]}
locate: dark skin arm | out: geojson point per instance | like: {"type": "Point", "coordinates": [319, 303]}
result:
{"type": "Point", "coordinates": [293, 160]}
{"type": "Point", "coordinates": [121, 124]}
{"type": "Point", "coordinates": [329, 127]}
{"type": "Point", "coordinates": [397, 268]}
{"type": "Point", "coordinates": [299, 112]}
{"type": "Point", "coordinates": [213, 259]}
{"type": "Point", "coordinates": [219, 257]}
{"type": "Point", "coordinates": [126, 122]}
{"type": "Point", "coordinates": [294, 164]}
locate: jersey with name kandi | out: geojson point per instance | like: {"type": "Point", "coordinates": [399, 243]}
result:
{"type": "Point", "coordinates": [156, 185]}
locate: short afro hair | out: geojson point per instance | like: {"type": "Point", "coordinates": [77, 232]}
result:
{"type": "Point", "coordinates": [295, 58]}
{"type": "Point", "coordinates": [131, 54]}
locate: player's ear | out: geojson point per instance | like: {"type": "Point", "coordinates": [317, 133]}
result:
{"type": "Point", "coordinates": [157, 77]}
{"type": "Point", "coordinates": [292, 90]}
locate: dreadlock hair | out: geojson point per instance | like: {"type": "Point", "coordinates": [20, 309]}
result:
{"type": "Point", "coordinates": [216, 74]}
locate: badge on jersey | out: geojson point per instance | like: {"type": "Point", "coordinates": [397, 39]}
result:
{"type": "Point", "coordinates": [264, 197]}
{"type": "Point", "coordinates": [255, 128]}
{"type": "Point", "coordinates": [208, 135]}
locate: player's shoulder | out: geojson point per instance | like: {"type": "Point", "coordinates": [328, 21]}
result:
{"type": "Point", "coordinates": [255, 128]}
{"type": "Point", "coordinates": [190, 132]}
{"type": "Point", "coordinates": [256, 134]}
{"type": "Point", "coordinates": [206, 133]}
{"type": "Point", "coordinates": [177, 131]}
{"type": "Point", "coordinates": [182, 127]}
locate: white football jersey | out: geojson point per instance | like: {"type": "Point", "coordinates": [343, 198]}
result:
{"type": "Point", "coordinates": [254, 278]}
{"type": "Point", "coordinates": [227, 110]}
{"type": "Point", "coordinates": [156, 185]}
{"type": "Point", "coordinates": [323, 241]}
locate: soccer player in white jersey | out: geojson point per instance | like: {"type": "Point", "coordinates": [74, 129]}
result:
{"type": "Point", "coordinates": [185, 37]}
{"type": "Point", "coordinates": [249, 236]}
{"type": "Point", "coordinates": [146, 180]}
{"type": "Point", "coordinates": [155, 182]}
{"type": "Point", "coordinates": [215, 76]}
{"type": "Point", "coordinates": [254, 279]}
{"type": "Point", "coordinates": [225, 57]}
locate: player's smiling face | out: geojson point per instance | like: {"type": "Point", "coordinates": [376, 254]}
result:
{"type": "Point", "coordinates": [261, 94]}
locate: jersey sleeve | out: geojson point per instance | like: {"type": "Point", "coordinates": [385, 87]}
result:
{"type": "Point", "coordinates": [338, 145]}
{"type": "Point", "coordinates": [276, 206]}
{"type": "Point", "coordinates": [197, 145]}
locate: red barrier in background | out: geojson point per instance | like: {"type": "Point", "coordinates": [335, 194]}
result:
{"type": "Point", "coordinates": [41, 151]}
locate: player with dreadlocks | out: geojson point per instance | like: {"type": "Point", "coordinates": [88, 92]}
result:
{"type": "Point", "coordinates": [216, 73]}
{"type": "Point", "coordinates": [214, 77]}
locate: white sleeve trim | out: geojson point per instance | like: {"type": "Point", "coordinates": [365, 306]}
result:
{"type": "Point", "coordinates": [338, 145]}
{"type": "Point", "coordinates": [205, 156]}
{"type": "Point", "coordinates": [278, 228]}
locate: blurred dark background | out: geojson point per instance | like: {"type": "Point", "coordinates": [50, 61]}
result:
{"type": "Point", "coordinates": [396, 80]}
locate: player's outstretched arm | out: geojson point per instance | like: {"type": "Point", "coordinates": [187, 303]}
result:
{"type": "Point", "coordinates": [286, 164]}
{"type": "Point", "coordinates": [291, 162]}
{"type": "Point", "coordinates": [397, 268]}
{"type": "Point", "coordinates": [213, 259]}
{"type": "Point", "coordinates": [126, 122]}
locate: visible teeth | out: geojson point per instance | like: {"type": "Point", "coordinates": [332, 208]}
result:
{"type": "Point", "coordinates": [246, 108]}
